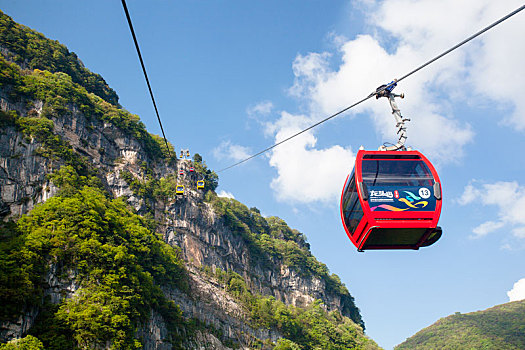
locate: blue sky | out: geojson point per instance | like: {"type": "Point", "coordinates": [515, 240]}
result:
{"type": "Point", "coordinates": [233, 77]}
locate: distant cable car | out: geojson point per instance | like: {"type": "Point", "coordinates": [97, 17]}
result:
{"type": "Point", "coordinates": [179, 189]}
{"type": "Point", "coordinates": [200, 184]}
{"type": "Point", "coordinates": [181, 172]}
{"type": "Point", "coordinates": [391, 200]}
{"type": "Point", "coordinates": [192, 169]}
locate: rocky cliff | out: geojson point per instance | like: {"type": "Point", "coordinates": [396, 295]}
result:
{"type": "Point", "coordinates": [238, 269]}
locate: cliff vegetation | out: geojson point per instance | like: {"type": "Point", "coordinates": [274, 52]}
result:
{"type": "Point", "coordinates": [101, 253]}
{"type": "Point", "coordinates": [33, 50]}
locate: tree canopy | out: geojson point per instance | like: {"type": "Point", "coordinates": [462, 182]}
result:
{"type": "Point", "coordinates": [500, 327]}
{"type": "Point", "coordinates": [99, 244]}
{"type": "Point", "coordinates": [33, 50]}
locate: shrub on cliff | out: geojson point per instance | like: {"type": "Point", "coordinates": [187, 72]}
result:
{"type": "Point", "coordinates": [111, 254]}
{"type": "Point", "coordinates": [28, 47]}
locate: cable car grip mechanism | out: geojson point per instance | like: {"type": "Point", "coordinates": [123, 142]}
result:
{"type": "Point", "coordinates": [386, 91]}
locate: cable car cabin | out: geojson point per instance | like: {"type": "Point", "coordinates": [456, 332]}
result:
{"type": "Point", "coordinates": [179, 189]}
{"type": "Point", "coordinates": [391, 200]}
{"type": "Point", "coordinates": [181, 172]}
{"type": "Point", "coordinates": [192, 169]}
{"type": "Point", "coordinates": [200, 184]}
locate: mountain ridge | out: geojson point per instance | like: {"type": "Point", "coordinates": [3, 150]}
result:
{"type": "Point", "coordinates": [214, 273]}
{"type": "Point", "coordinates": [499, 327]}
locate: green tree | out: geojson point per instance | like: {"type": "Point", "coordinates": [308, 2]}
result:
{"type": "Point", "coordinates": [285, 344]}
{"type": "Point", "coordinates": [117, 261]}
{"type": "Point", "coordinates": [27, 343]}
{"type": "Point", "coordinates": [24, 45]}
{"type": "Point", "coordinates": [210, 177]}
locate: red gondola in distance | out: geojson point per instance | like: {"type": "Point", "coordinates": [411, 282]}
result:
{"type": "Point", "coordinates": [392, 200]}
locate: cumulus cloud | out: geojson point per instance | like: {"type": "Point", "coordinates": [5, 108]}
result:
{"type": "Point", "coordinates": [260, 109]}
{"type": "Point", "coordinates": [261, 113]}
{"type": "Point", "coordinates": [518, 291]}
{"type": "Point", "coordinates": [306, 174]}
{"type": "Point", "coordinates": [500, 61]}
{"type": "Point", "coordinates": [225, 194]}
{"type": "Point", "coordinates": [228, 150]}
{"type": "Point", "coordinates": [402, 35]}
{"type": "Point", "coordinates": [507, 197]}
{"type": "Point", "coordinates": [519, 232]}
{"type": "Point", "coordinates": [488, 66]}
{"type": "Point", "coordinates": [487, 227]}
{"type": "Point", "coordinates": [366, 62]}
{"type": "Point", "coordinates": [469, 195]}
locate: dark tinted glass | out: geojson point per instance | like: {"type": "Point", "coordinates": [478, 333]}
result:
{"type": "Point", "coordinates": [396, 173]}
{"type": "Point", "coordinates": [352, 211]}
{"type": "Point", "coordinates": [394, 237]}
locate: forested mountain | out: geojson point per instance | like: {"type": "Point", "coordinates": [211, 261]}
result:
{"type": "Point", "coordinates": [98, 251]}
{"type": "Point", "coordinates": [500, 327]}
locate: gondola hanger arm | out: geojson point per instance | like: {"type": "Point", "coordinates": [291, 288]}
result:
{"type": "Point", "coordinates": [387, 91]}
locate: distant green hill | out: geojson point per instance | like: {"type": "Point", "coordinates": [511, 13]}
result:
{"type": "Point", "coordinates": [500, 327]}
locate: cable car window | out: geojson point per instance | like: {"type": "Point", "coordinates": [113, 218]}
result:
{"type": "Point", "coordinates": [352, 211]}
{"type": "Point", "coordinates": [396, 173]}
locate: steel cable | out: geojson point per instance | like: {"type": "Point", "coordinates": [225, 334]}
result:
{"type": "Point", "coordinates": [145, 74]}
{"type": "Point", "coordinates": [383, 88]}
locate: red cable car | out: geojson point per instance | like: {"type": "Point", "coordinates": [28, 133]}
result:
{"type": "Point", "coordinates": [391, 200]}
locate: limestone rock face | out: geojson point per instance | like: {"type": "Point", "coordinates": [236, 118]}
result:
{"type": "Point", "coordinates": [185, 221]}
{"type": "Point", "coordinates": [23, 180]}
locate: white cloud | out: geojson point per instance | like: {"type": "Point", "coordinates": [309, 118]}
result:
{"type": "Point", "coordinates": [261, 113]}
{"type": "Point", "coordinates": [507, 197]}
{"type": "Point", "coordinates": [496, 68]}
{"type": "Point", "coordinates": [519, 232]}
{"type": "Point", "coordinates": [486, 228]}
{"type": "Point", "coordinates": [469, 195]}
{"type": "Point", "coordinates": [309, 71]}
{"type": "Point", "coordinates": [364, 63]}
{"type": "Point", "coordinates": [489, 65]}
{"type": "Point", "coordinates": [227, 150]}
{"type": "Point", "coordinates": [260, 109]}
{"type": "Point", "coordinates": [225, 194]}
{"type": "Point", "coordinates": [518, 291]}
{"type": "Point", "coordinates": [306, 174]}
{"type": "Point", "coordinates": [403, 35]}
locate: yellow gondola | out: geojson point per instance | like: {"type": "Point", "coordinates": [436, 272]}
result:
{"type": "Point", "coordinates": [200, 184]}
{"type": "Point", "coordinates": [179, 189]}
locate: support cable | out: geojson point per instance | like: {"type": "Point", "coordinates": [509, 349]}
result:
{"type": "Point", "coordinates": [504, 18]}
{"type": "Point", "coordinates": [381, 89]}
{"type": "Point", "coordinates": [297, 134]}
{"type": "Point", "coordinates": [145, 74]}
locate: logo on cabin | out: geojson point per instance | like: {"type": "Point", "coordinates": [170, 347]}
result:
{"type": "Point", "coordinates": [411, 197]}
{"type": "Point", "coordinates": [381, 194]}
{"type": "Point", "coordinates": [402, 199]}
